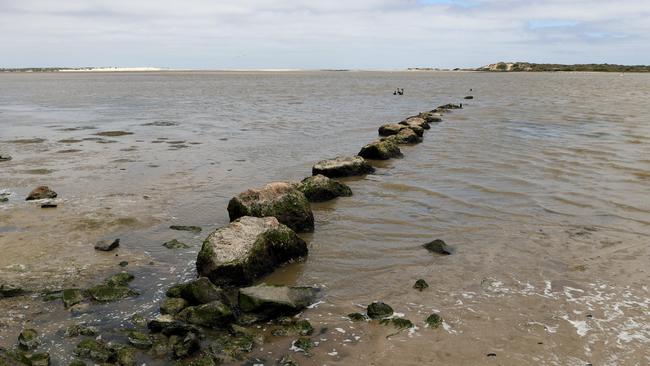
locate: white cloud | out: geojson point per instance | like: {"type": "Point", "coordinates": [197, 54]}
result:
{"type": "Point", "coordinates": [317, 34]}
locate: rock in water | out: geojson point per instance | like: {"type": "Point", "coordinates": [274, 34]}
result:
{"type": "Point", "coordinates": [281, 200]}
{"type": "Point", "coordinates": [173, 306]}
{"type": "Point", "coordinates": [175, 244]}
{"type": "Point", "coordinates": [405, 137]}
{"type": "Point", "coordinates": [469, 97]}
{"type": "Point", "coordinates": [319, 188]}
{"type": "Point", "coordinates": [438, 246]}
{"type": "Point", "coordinates": [10, 291]}
{"type": "Point", "coordinates": [379, 310]}
{"type": "Point", "coordinates": [194, 229]}
{"type": "Point", "coordinates": [434, 320]}
{"type": "Point", "coordinates": [381, 150]}
{"type": "Point", "coordinates": [343, 166]}
{"type": "Point", "coordinates": [431, 116]}
{"type": "Point", "coordinates": [5, 157]}
{"type": "Point", "coordinates": [72, 296]}
{"type": "Point", "coordinates": [212, 314]}
{"type": "Point", "coordinates": [416, 122]}
{"type": "Point", "coordinates": [246, 249]}
{"type": "Point", "coordinates": [40, 193]}
{"type": "Point", "coordinates": [106, 246]}
{"type": "Point", "coordinates": [447, 107]}
{"type": "Point", "coordinates": [395, 128]}
{"type": "Point", "coordinates": [95, 350]}
{"type": "Point", "coordinates": [200, 291]}
{"type": "Point", "coordinates": [274, 301]}
{"type": "Point", "coordinates": [28, 339]}
{"type": "Point", "coordinates": [421, 285]}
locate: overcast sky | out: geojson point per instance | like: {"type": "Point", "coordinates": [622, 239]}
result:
{"type": "Point", "coordinates": [311, 34]}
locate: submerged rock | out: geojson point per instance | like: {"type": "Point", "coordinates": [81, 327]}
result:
{"type": "Point", "coordinates": [381, 150]}
{"type": "Point", "coordinates": [434, 320]}
{"type": "Point", "coordinates": [5, 157]}
{"type": "Point", "coordinates": [421, 285]}
{"type": "Point", "coordinates": [139, 340]}
{"type": "Point", "coordinates": [469, 97]}
{"type": "Point", "coordinates": [379, 310]}
{"type": "Point", "coordinates": [175, 244]}
{"type": "Point", "coordinates": [356, 317]}
{"type": "Point", "coordinates": [106, 246]}
{"type": "Point", "coordinates": [125, 356]}
{"type": "Point", "coordinates": [447, 107]}
{"type": "Point", "coordinates": [319, 188]}
{"type": "Point", "coordinates": [106, 293]}
{"type": "Point", "coordinates": [302, 344]}
{"type": "Point", "coordinates": [28, 339]}
{"type": "Point", "coordinates": [120, 279]}
{"type": "Point", "coordinates": [113, 133]}
{"type": "Point", "coordinates": [72, 296]}
{"type": "Point", "coordinates": [438, 246]}
{"type": "Point", "coordinates": [292, 327]}
{"type": "Point", "coordinates": [40, 193]}
{"type": "Point", "coordinates": [184, 346]}
{"type": "Point", "coordinates": [194, 229]}
{"type": "Point", "coordinates": [80, 329]}
{"type": "Point", "coordinates": [343, 166]}
{"type": "Point", "coordinates": [232, 347]}
{"type": "Point", "coordinates": [273, 301]}
{"type": "Point", "coordinates": [399, 323]}
{"type": "Point", "coordinates": [281, 200]}
{"type": "Point", "coordinates": [246, 249]}
{"type": "Point", "coordinates": [212, 314]}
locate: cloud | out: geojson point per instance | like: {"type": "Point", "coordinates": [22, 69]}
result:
{"type": "Point", "coordinates": [321, 34]}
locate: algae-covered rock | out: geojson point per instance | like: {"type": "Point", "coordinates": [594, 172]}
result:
{"type": "Point", "coordinates": [173, 306]}
{"type": "Point", "coordinates": [438, 246]}
{"type": "Point", "coordinates": [342, 166]}
{"type": "Point", "coordinates": [405, 137]}
{"type": "Point", "coordinates": [431, 116]}
{"type": "Point", "coordinates": [107, 246]}
{"type": "Point", "coordinates": [213, 314]}
{"type": "Point", "coordinates": [232, 347]}
{"type": "Point", "coordinates": [420, 285]}
{"type": "Point", "coordinates": [95, 350]}
{"type": "Point", "coordinates": [395, 128]}
{"type": "Point", "coordinates": [293, 327]}
{"type": "Point", "coordinates": [416, 122]}
{"type": "Point", "coordinates": [39, 359]}
{"type": "Point", "coordinates": [434, 320]}
{"type": "Point", "coordinates": [184, 346]}
{"type": "Point", "coordinates": [447, 107]}
{"type": "Point", "coordinates": [175, 244]}
{"type": "Point", "coordinates": [319, 188]}
{"type": "Point", "coordinates": [120, 279]}
{"type": "Point", "coordinates": [106, 293]}
{"type": "Point", "coordinates": [287, 360]}
{"type": "Point", "coordinates": [379, 310]}
{"type": "Point", "coordinates": [356, 317]}
{"type": "Point", "coordinates": [160, 346]}
{"type": "Point", "coordinates": [139, 339]}
{"type": "Point", "coordinates": [399, 323]}
{"type": "Point", "coordinates": [381, 150]}
{"type": "Point", "coordinates": [201, 291]}
{"type": "Point", "coordinates": [247, 249]}
{"type": "Point", "coordinates": [303, 344]}
{"type": "Point", "coordinates": [72, 296]}
{"type": "Point", "coordinates": [274, 301]}
{"type": "Point", "coordinates": [194, 229]}
{"type": "Point", "coordinates": [28, 339]}
{"type": "Point", "coordinates": [75, 330]}
{"type": "Point", "coordinates": [204, 359]}
{"type": "Point", "coordinates": [77, 363]}
{"type": "Point", "coordinates": [125, 356]}
{"type": "Point", "coordinates": [7, 290]}
{"type": "Point", "coordinates": [281, 200]}
{"type": "Point", "coordinates": [41, 192]}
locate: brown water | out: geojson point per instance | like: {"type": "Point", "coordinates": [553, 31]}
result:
{"type": "Point", "coordinates": [541, 185]}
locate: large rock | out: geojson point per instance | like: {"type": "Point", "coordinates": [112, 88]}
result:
{"type": "Point", "coordinates": [405, 137]}
{"type": "Point", "coordinates": [246, 249]}
{"type": "Point", "coordinates": [395, 128]}
{"type": "Point", "coordinates": [319, 188]}
{"type": "Point", "coordinates": [431, 116]}
{"type": "Point", "coordinates": [281, 200]}
{"type": "Point", "coordinates": [200, 291]}
{"type": "Point", "coordinates": [381, 150]}
{"type": "Point", "coordinates": [273, 301]}
{"type": "Point", "coordinates": [212, 314]}
{"type": "Point", "coordinates": [40, 193]}
{"type": "Point", "coordinates": [343, 166]}
{"type": "Point", "coordinates": [416, 122]}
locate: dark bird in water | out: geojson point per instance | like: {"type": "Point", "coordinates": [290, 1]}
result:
{"type": "Point", "coordinates": [470, 89]}
{"type": "Point", "coordinates": [400, 91]}
{"type": "Point", "coordinates": [395, 92]}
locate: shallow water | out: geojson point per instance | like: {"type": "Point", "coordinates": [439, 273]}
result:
{"type": "Point", "coordinates": [540, 184]}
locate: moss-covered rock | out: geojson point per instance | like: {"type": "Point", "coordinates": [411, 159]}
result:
{"type": "Point", "coordinates": [438, 246]}
{"type": "Point", "coordinates": [120, 279]}
{"type": "Point", "coordinates": [28, 339]}
{"type": "Point", "coordinates": [246, 249]}
{"type": "Point", "coordinates": [396, 128]}
{"type": "Point", "coordinates": [201, 291]}
{"type": "Point", "coordinates": [139, 339]}
{"type": "Point", "coordinates": [7, 290]}
{"type": "Point", "coordinates": [379, 310]}
{"type": "Point", "coordinates": [274, 301]}
{"type": "Point", "coordinates": [381, 150]}
{"type": "Point", "coordinates": [232, 347]}
{"type": "Point", "coordinates": [184, 346]}
{"type": "Point", "coordinates": [106, 293]}
{"type": "Point", "coordinates": [125, 356]}
{"type": "Point", "coordinates": [287, 360]}
{"type": "Point", "coordinates": [416, 122]}
{"type": "Point", "coordinates": [39, 359]}
{"type": "Point", "coordinates": [293, 327]}
{"type": "Point", "coordinates": [434, 320]}
{"type": "Point", "coordinates": [72, 296]}
{"type": "Point", "coordinates": [431, 117]}
{"type": "Point", "coordinates": [303, 344]}
{"type": "Point", "coordinates": [160, 345]}
{"type": "Point", "coordinates": [194, 229]}
{"type": "Point", "coordinates": [319, 188]}
{"type": "Point", "coordinates": [173, 306]}
{"type": "Point", "coordinates": [175, 244]}
{"type": "Point", "coordinates": [421, 285]}
{"type": "Point", "coordinates": [405, 137]}
{"type": "Point", "coordinates": [399, 323]}
{"type": "Point", "coordinates": [77, 363]}
{"type": "Point", "coordinates": [356, 317]}
{"type": "Point", "coordinates": [281, 200]}
{"type": "Point", "coordinates": [76, 330]}
{"type": "Point", "coordinates": [342, 166]}
{"type": "Point", "coordinates": [213, 314]}
{"type": "Point", "coordinates": [95, 350]}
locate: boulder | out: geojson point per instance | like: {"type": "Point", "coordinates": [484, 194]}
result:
{"type": "Point", "coordinates": [395, 128]}
{"type": "Point", "coordinates": [381, 150]}
{"type": "Point", "coordinates": [173, 306]}
{"type": "Point", "coordinates": [95, 350]}
{"type": "Point", "coordinates": [416, 122]}
{"type": "Point", "coordinates": [200, 291]}
{"type": "Point", "coordinates": [75, 330]}
{"type": "Point", "coordinates": [405, 137]}
{"type": "Point", "coordinates": [379, 310]}
{"type": "Point", "coordinates": [125, 356]}
{"type": "Point", "coordinates": [106, 246]}
{"type": "Point", "coordinates": [438, 246]}
{"type": "Point", "coordinates": [421, 285]}
{"type": "Point", "coordinates": [319, 188]}
{"type": "Point", "coordinates": [281, 200]}
{"type": "Point", "coordinates": [40, 193]}
{"type": "Point", "coordinates": [273, 301]}
{"type": "Point", "coordinates": [431, 116]}
{"type": "Point", "coordinates": [246, 249]}
{"type": "Point", "coordinates": [343, 166]}
{"type": "Point", "coordinates": [434, 320]}
{"type": "Point", "coordinates": [39, 359]}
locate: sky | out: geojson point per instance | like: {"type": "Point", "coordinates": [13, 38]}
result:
{"type": "Point", "coordinates": [312, 34]}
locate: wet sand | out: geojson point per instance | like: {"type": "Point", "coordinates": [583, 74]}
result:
{"type": "Point", "coordinates": [539, 185]}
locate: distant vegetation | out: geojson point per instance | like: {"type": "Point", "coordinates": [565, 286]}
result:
{"type": "Point", "coordinates": [34, 69]}
{"type": "Point", "coordinates": [526, 66]}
